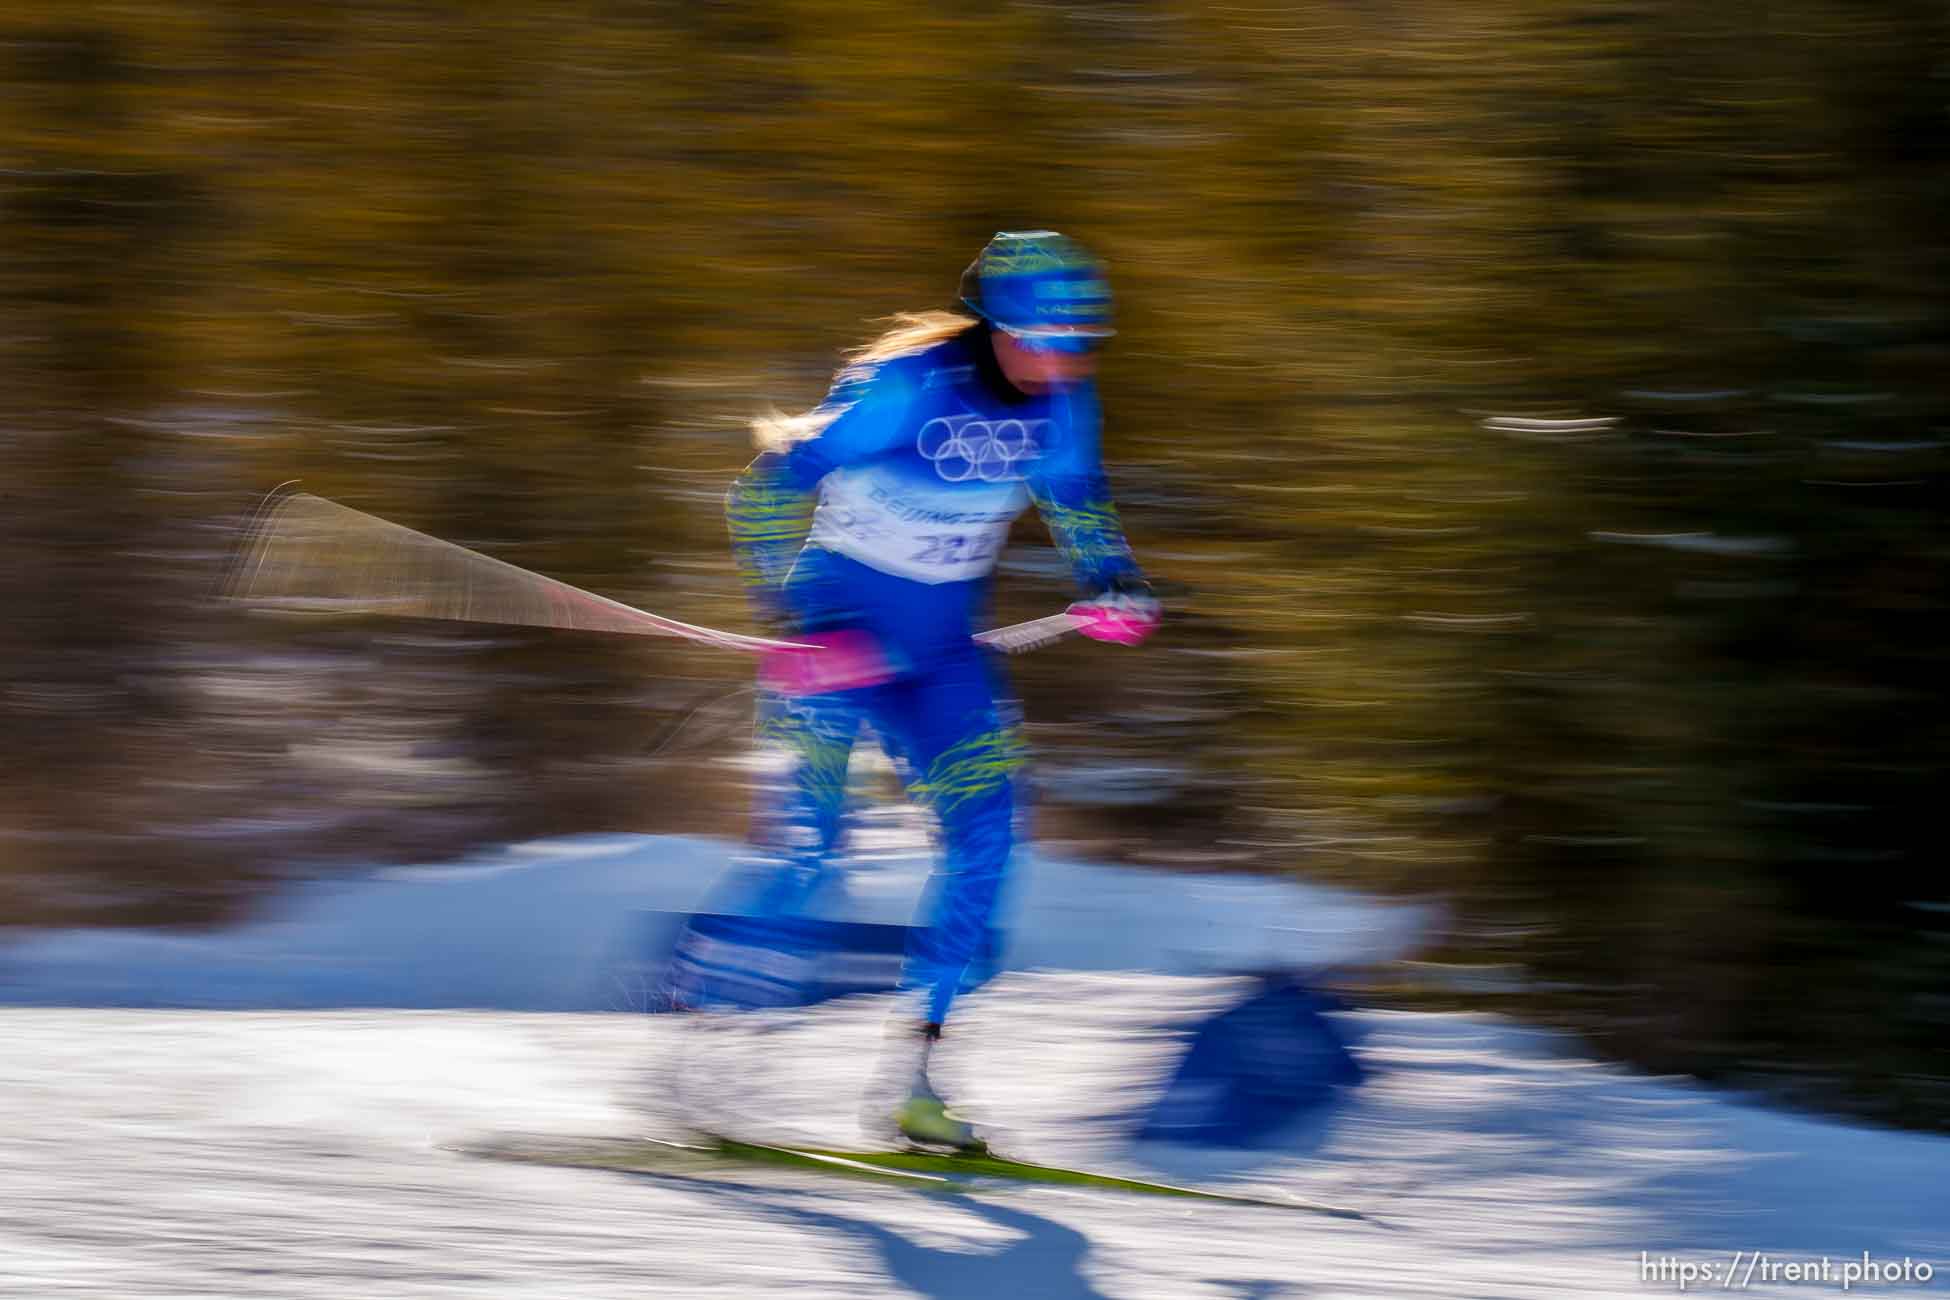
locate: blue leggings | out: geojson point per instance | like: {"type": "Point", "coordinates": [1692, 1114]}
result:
{"type": "Point", "coordinates": [957, 749]}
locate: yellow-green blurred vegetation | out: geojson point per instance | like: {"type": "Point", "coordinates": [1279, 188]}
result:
{"type": "Point", "coordinates": [1534, 415]}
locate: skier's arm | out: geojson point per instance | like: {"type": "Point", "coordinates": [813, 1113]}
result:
{"type": "Point", "coordinates": [769, 517]}
{"type": "Point", "coordinates": [1073, 496]}
{"type": "Point", "coordinates": [769, 507]}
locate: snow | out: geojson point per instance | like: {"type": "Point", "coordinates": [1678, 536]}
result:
{"type": "Point", "coordinates": [164, 1151]}
{"type": "Point", "coordinates": [548, 926]}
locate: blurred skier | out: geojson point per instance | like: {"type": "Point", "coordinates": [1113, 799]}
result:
{"type": "Point", "coordinates": [870, 527]}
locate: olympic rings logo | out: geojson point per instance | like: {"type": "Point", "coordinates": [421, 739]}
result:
{"type": "Point", "coordinates": [965, 447]}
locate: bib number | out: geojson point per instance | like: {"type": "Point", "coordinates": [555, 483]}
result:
{"type": "Point", "coordinates": [942, 550]}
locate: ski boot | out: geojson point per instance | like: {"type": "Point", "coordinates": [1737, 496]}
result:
{"type": "Point", "coordinates": [925, 1120]}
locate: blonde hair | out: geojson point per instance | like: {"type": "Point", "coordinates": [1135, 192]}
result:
{"type": "Point", "coordinates": [911, 331]}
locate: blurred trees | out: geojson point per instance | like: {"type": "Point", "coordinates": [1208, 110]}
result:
{"type": "Point", "coordinates": [1536, 415]}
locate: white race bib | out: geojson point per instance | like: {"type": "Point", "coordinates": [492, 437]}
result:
{"type": "Point", "coordinates": [923, 529]}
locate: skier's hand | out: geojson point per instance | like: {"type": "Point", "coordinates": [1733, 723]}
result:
{"type": "Point", "coordinates": [842, 660]}
{"type": "Point", "coordinates": [1126, 614]}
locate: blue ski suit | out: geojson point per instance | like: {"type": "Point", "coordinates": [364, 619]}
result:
{"type": "Point", "coordinates": [890, 520]}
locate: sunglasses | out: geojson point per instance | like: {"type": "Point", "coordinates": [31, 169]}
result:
{"type": "Point", "coordinates": [1073, 340]}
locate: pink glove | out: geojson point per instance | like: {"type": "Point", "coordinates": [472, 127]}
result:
{"type": "Point", "coordinates": [1121, 617]}
{"type": "Point", "coordinates": [844, 660]}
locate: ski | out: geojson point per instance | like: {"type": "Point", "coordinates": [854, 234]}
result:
{"type": "Point", "coordinates": [973, 1170]}
{"type": "Point", "coordinates": [913, 1167]}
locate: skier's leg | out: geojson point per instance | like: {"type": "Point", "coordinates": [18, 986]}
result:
{"type": "Point", "coordinates": [962, 750]}
{"type": "Point", "coordinates": [802, 815]}
{"type": "Point", "coordinates": [799, 812]}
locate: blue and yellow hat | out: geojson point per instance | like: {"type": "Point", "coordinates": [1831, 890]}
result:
{"type": "Point", "coordinates": [1040, 288]}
